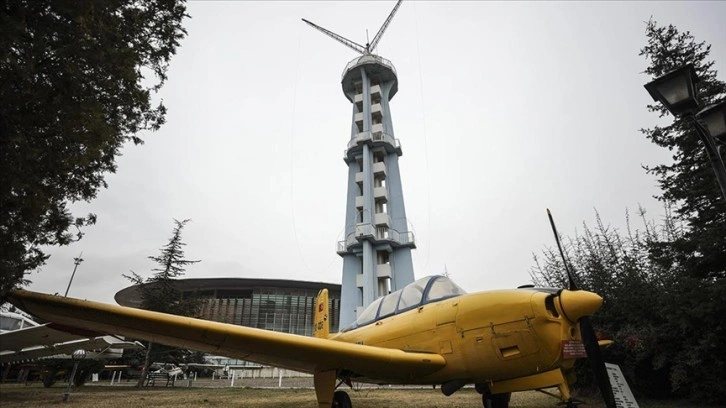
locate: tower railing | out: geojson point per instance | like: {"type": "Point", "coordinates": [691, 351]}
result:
{"type": "Point", "coordinates": [373, 138]}
{"type": "Point", "coordinates": [369, 58]}
{"type": "Point", "coordinates": [378, 234]}
{"type": "Point", "coordinates": [385, 137]}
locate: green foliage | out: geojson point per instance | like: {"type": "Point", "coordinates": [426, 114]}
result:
{"type": "Point", "coordinates": [664, 287]}
{"type": "Point", "coordinates": [159, 293]}
{"type": "Point", "coordinates": [620, 268]}
{"type": "Point", "coordinates": [76, 83]}
{"type": "Point", "coordinates": [692, 340]}
{"type": "Point", "coordinates": [666, 324]}
{"type": "Point", "coordinates": [688, 181]}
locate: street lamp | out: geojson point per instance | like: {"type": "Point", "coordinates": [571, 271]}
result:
{"type": "Point", "coordinates": [76, 261]}
{"type": "Point", "coordinates": [676, 90]}
{"type": "Point", "coordinates": [714, 118]}
{"type": "Point", "coordinates": [77, 356]}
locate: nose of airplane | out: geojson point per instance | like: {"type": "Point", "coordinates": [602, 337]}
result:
{"type": "Point", "coordinates": [579, 303]}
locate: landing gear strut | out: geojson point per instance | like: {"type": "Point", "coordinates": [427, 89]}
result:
{"type": "Point", "coordinates": [341, 400]}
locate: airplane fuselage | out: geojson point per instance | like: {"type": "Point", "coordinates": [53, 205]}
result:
{"type": "Point", "coordinates": [429, 332]}
{"type": "Point", "coordinates": [485, 337]}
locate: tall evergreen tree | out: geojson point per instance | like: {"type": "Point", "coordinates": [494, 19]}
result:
{"type": "Point", "coordinates": [159, 293]}
{"type": "Point", "coordinates": [688, 181]}
{"type": "Point", "coordinates": [696, 309]}
{"type": "Point", "coordinates": [76, 84]}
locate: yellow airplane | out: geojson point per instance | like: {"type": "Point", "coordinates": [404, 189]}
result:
{"type": "Point", "coordinates": [430, 332]}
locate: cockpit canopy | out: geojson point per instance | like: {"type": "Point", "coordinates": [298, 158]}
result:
{"type": "Point", "coordinates": [10, 321]}
{"type": "Point", "coordinates": [425, 290]}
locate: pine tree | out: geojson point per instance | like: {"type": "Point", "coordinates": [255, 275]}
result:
{"type": "Point", "coordinates": [692, 344]}
{"type": "Point", "coordinates": [159, 293]}
{"type": "Point", "coordinates": [688, 181]}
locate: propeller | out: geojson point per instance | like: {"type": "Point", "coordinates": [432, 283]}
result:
{"type": "Point", "coordinates": [597, 364]}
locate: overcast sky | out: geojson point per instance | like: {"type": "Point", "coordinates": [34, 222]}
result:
{"type": "Point", "coordinates": [504, 109]}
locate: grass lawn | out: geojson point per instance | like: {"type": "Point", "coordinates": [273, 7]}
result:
{"type": "Point", "coordinates": [15, 395]}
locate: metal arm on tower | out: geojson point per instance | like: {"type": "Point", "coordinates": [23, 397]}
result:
{"type": "Point", "coordinates": [354, 45]}
{"type": "Point", "coordinates": [372, 45]}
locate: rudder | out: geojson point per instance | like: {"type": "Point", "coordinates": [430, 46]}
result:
{"type": "Point", "coordinates": [321, 325]}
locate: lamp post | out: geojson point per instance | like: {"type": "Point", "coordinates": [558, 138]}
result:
{"type": "Point", "coordinates": [76, 261]}
{"type": "Point", "coordinates": [77, 356]}
{"type": "Point", "coordinates": [676, 90]}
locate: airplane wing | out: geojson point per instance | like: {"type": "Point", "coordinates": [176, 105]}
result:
{"type": "Point", "coordinates": [103, 344]}
{"type": "Point", "coordinates": [33, 342]}
{"type": "Point", "coordinates": [42, 335]}
{"type": "Point", "coordinates": [300, 353]}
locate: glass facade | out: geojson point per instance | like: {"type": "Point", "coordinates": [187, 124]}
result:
{"type": "Point", "coordinates": [287, 310]}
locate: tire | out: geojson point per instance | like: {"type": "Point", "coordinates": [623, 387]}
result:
{"type": "Point", "coordinates": [341, 400]}
{"type": "Point", "coordinates": [81, 377]}
{"type": "Point", "coordinates": [48, 381]}
{"type": "Point", "coordinates": [496, 400]}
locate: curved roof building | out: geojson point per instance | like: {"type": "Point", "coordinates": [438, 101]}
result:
{"type": "Point", "coordinates": [272, 304]}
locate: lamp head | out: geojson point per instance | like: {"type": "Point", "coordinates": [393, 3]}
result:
{"type": "Point", "coordinates": [714, 118]}
{"type": "Point", "coordinates": [676, 90]}
{"type": "Point", "coordinates": [79, 354]}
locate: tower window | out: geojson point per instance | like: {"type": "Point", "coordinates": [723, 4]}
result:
{"type": "Point", "coordinates": [381, 207]}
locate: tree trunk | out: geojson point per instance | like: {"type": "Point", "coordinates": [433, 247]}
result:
{"type": "Point", "coordinates": [147, 364]}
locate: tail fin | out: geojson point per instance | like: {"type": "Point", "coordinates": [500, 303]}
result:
{"type": "Point", "coordinates": [321, 326]}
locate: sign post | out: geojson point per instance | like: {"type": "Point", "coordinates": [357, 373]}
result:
{"type": "Point", "coordinates": [623, 396]}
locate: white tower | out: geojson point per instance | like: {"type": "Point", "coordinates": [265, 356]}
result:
{"type": "Point", "coordinates": [377, 246]}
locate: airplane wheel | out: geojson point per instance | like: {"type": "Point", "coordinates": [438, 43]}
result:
{"type": "Point", "coordinates": [341, 400]}
{"type": "Point", "coordinates": [48, 381]}
{"type": "Point", "coordinates": [496, 400]}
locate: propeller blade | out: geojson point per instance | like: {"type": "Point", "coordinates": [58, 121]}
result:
{"type": "Point", "coordinates": [562, 253]}
{"type": "Point", "coordinates": [597, 364]}
{"type": "Point", "coordinates": [589, 339]}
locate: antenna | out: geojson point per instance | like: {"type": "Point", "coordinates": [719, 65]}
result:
{"type": "Point", "coordinates": [354, 45]}
{"type": "Point", "coordinates": [380, 32]}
